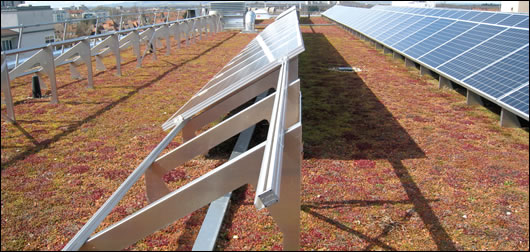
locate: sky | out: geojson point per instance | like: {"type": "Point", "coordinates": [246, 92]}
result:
{"type": "Point", "coordinates": [59, 4]}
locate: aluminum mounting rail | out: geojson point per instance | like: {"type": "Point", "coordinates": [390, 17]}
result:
{"type": "Point", "coordinates": [268, 190]}
{"type": "Point", "coordinates": [43, 61]}
{"type": "Point", "coordinates": [104, 35]}
{"type": "Point", "coordinates": [281, 108]}
{"type": "Point", "coordinates": [83, 19]}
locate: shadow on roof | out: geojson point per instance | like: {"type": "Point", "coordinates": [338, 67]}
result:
{"type": "Point", "coordinates": [343, 120]}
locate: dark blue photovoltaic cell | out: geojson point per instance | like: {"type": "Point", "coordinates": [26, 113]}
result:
{"type": "Point", "coordinates": [459, 14]}
{"type": "Point", "coordinates": [438, 38]}
{"type": "Point", "coordinates": [482, 16]}
{"type": "Point", "coordinates": [353, 20]}
{"type": "Point", "coordinates": [396, 24]}
{"type": "Point", "coordinates": [385, 24]}
{"type": "Point", "coordinates": [496, 18]}
{"type": "Point", "coordinates": [486, 53]}
{"type": "Point", "coordinates": [422, 34]}
{"type": "Point", "coordinates": [429, 12]}
{"type": "Point", "coordinates": [370, 20]}
{"type": "Point", "coordinates": [446, 13]}
{"type": "Point", "coordinates": [460, 44]}
{"type": "Point", "coordinates": [503, 76]}
{"type": "Point", "coordinates": [518, 100]}
{"type": "Point", "coordinates": [513, 20]}
{"type": "Point", "coordinates": [436, 13]}
{"type": "Point", "coordinates": [418, 11]}
{"type": "Point", "coordinates": [523, 24]}
{"type": "Point", "coordinates": [402, 29]}
{"type": "Point", "coordinates": [411, 30]}
{"type": "Point", "coordinates": [469, 15]}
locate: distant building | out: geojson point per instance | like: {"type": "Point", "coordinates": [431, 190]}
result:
{"type": "Point", "coordinates": [11, 3]}
{"type": "Point", "coordinates": [514, 6]}
{"type": "Point", "coordinates": [9, 39]}
{"type": "Point", "coordinates": [60, 15]}
{"type": "Point", "coordinates": [75, 14]}
{"type": "Point", "coordinates": [417, 4]}
{"type": "Point", "coordinates": [31, 36]}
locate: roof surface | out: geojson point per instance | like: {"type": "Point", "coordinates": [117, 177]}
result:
{"type": "Point", "coordinates": [390, 161]}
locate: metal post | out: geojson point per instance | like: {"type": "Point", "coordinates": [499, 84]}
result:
{"type": "Point", "coordinates": [96, 31]}
{"type": "Point", "coordinates": [121, 20]}
{"type": "Point", "coordinates": [64, 36]}
{"type": "Point", "coordinates": [167, 18]}
{"type": "Point", "coordinates": [19, 44]}
{"type": "Point", "coordinates": [154, 19]}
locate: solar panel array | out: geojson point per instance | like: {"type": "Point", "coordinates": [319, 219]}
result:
{"type": "Point", "coordinates": [487, 52]}
{"type": "Point", "coordinates": [278, 40]}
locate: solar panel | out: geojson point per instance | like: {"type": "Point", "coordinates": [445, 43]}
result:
{"type": "Point", "coordinates": [438, 38]}
{"type": "Point", "coordinates": [513, 20]}
{"type": "Point", "coordinates": [400, 28]}
{"type": "Point", "coordinates": [496, 18]}
{"type": "Point", "coordinates": [482, 16]}
{"type": "Point", "coordinates": [393, 21]}
{"type": "Point", "coordinates": [407, 31]}
{"type": "Point", "coordinates": [503, 76]}
{"type": "Point", "coordinates": [422, 34]}
{"type": "Point", "coordinates": [458, 14]}
{"type": "Point", "coordinates": [459, 44]}
{"type": "Point", "coordinates": [485, 51]}
{"type": "Point", "coordinates": [523, 24]}
{"type": "Point", "coordinates": [518, 100]}
{"type": "Point", "coordinates": [260, 55]}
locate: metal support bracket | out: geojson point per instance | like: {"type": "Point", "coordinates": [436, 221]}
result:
{"type": "Point", "coordinates": [43, 61]}
{"type": "Point", "coordinates": [113, 44]}
{"type": "Point", "coordinates": [77, 54]}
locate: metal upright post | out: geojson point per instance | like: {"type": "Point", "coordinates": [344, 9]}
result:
{"type": "Point", "coordinates": [64, 36]}
{"type": "Point", "coordinates": [121, 21]}
{"type": "Point", "coordinates": [19, 43]}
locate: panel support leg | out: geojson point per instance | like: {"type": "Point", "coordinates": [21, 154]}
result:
{"type": "Point", "coordinates": [509, 119]}
{"type": "Point", "coordinates": [473, 99]}
{"type": "Point", "coordinates": [386, 50]}
{"type": "Point", "coordinates": [378, 46]}
{"type": "Point", "coordinates": [424, 71]}
{"type": "Point", "coordinates": [409, 63]}
{"type": "Point", "coordinates": [445, 83]}
{"type": "Point", "coordinates": [397, 56]}
{"type": "Point", "coordinates": [286, 213]}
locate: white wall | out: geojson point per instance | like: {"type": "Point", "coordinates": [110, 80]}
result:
{"type": "Point", "coordinates": [514, 6]}
{"type": "Point", "coordinates": [31, 36]}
